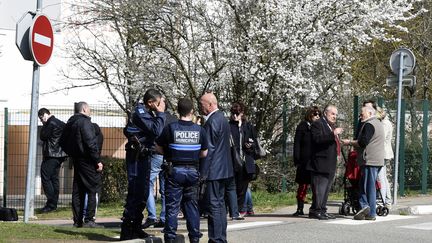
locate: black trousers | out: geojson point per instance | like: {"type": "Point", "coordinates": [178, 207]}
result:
{"type": "Point", "coordinates": [50, 168]}
{"type": "Point", "coordinates": [242, 180]}
{"type": "Point", "coordinates": [321, 185]}
{"type": "Point", "coordinates": [86, 180]}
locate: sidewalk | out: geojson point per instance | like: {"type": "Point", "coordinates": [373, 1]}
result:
{"type": "Point", "coordinates": [405, 206]}
{"type": "Point", "coordinates": [417, 205]}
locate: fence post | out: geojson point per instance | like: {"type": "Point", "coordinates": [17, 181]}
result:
{"type": "Point", "coordinates": [402, 150]}
{"type": "Point", "coordinates": [6, 125]}
{"type": "Point", "coordinates": [284, 144]}
{"type": "Point", "coordinates": [425, 148]}
{"type": "Point", "coordinates": [355, 113]}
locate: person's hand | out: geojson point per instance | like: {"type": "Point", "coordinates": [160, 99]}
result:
{"type": "Point", "coordinates": [248, 145]}
{"type": "Point", "coordinates": [100, 167]}
{"type": "Point", "coordinates": [160, 107]}
{"type": "Point", "coordinates": [337, 131]}
{"type": "Point", "coordinates": [345, 142]}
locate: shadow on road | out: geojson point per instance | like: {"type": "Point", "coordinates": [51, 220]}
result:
{"type": "Point", "coordinates": [89, 235]}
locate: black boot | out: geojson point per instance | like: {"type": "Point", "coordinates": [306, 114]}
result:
{"type": "Point", "coordinates": [127, 232]}
{"type": "Point", "coordinates": [132, 230]}
{"type": "Point", "coordinates": [300, 205]}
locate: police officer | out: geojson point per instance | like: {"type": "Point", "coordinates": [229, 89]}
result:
{"type": "Point", "coordinates": [182, 143]}
{"type": "Point", "coordinates": [146, 123]}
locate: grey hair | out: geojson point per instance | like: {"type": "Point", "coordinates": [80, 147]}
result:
{"type": "Point", "coordinates": [371, 110]}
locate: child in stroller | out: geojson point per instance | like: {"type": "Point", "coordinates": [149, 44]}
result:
{"type": "Point", "coordinates": [351, 188]}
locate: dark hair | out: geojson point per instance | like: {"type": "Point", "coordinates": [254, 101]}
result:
{"type": "Point", "coordinates": [184, 106]}
{"type": "Point", "coordinates": [237, 108]}
{"type": "Point", "coordinates": [151, 95]}
{"type": "Point", "coordinates": [312, 111]}
{"type": "Point", "coordinates": [43, 111]}
{"type": "Point", "coordinates": [370, 101]}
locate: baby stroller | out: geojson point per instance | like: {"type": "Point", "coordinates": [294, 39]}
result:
{"type": "Point", "coordinates": [351, 185]}
{"type": "Point", "coordinates": [352, 192]}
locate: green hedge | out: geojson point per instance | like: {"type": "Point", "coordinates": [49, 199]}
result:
{"type": "Point", "coordinates": [114, 180]}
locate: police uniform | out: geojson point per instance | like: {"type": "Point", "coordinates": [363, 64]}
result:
{"type": "Point", "coordinates": [182, 143]}
{"type": "Point", "coordinates": [141, 131]}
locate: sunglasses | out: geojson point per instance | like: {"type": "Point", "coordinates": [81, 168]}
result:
{"type": "Point", "coordinates": [316, 114]}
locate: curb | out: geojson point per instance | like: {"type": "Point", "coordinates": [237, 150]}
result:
{"type": "Point", "coordinates": [415, 210]}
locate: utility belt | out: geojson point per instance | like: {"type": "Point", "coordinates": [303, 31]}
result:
{"type": "Point", "coordinates": [187, 164]}
{"type": "Point", "coordinates": [140, 150]}
{"type": "Point", "coordinates": [167, 166]}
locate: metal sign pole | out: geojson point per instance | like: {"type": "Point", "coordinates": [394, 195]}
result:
{"type": "Point", "coordinates": [32, 151]}
{"type": "Point", "coordinates": [399, 106]}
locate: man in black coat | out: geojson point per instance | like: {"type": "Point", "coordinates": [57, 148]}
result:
{"type": "Point", "coordinates": [325, 149]}
{"type": "Point", "coordinates": [53, 156]}
{"type": "Point", "coordinates": [217, 168]}
{"type": "Point", "coordinates": [79, 140]}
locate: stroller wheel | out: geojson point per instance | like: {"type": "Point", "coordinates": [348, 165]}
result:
{"type": "Point", "coordinates": [385, 211]}
{"type": "Point", "coordinates": [379, 211]}
{"type": "Point", "coordinates": [344, 209]}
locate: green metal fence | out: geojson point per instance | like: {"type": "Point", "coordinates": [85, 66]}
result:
{"type": "Point", "coordinates": [15, 152]}
{"type": "Point", "coordinates": [414, 173]}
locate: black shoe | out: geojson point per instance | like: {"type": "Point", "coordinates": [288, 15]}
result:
{"type": "Point", "coordinates": [77, 224]}
{"type": "Point", "coordinates": [149, 222]}
{"type": "Point", "coordinates": [319, 216]}
{"type": "Point", "coordinates": [159, 224]}
{"type": "Point", "coordinates": [47, 209]}
{"type": "Point", "coordinates": [362, 213]}
{"type": "Point", "coordinates": [238, 218]}
{"type": "Point", "coordinates": [299, 212]}
{"type": "Point", "coordinates": [329, 216]}
{"type": "Point", "coordinates": [92, 224]}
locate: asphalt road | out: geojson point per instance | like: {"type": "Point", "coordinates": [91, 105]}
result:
{"type": "Point", "coordinates": [393, 228]}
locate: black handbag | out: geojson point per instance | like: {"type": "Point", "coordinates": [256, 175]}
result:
{"type": "Point", "coordinates": [238, 163]}
{"type": "Point", "coordinates": [8, 214]}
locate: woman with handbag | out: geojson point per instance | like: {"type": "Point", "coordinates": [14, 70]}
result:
{"type": "Point", "coordinates": [245, 142]}
{"type": "Point", "coordinates": [302, 155]}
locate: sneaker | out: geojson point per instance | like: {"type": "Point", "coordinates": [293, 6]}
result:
{"type": "Point", "coordinates": [250, 213]}
{"type": "Point", "coordinates": [149, 222]}
{"type": "Point", "coordinates": [243, 213]}
{"type": "Point", "coordinates": [92, 224]}
{"type": "Point", "coordinates": [362, 213]}
{"type": "Point", "coordinates": [368, 217]}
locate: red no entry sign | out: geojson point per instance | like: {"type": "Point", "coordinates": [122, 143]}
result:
{"type": "Point", "coordinates": [41, 39]}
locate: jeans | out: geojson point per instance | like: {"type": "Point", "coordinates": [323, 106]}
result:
{"type": "Point", "coordinates": [231, 195]}
{"type": "Point", "coordinates": [248, 204]}
{"type": "Point", "coordinates": [86, 205]}
{"type": "Point", "coordinates": [50, 180]}
{"type": "Point", "coordinates": [156, 163]}
{"type": "Point", "coordinates": [385, 185]}
{"type": "Point", "coordinates": [182, 188]}
{"type": "Point", "coordinates": [368, 188]}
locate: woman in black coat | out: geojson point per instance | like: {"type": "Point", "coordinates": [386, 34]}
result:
{"type": "Point", "coordinates": [244, 137]}
{"type": "Point", "coordinates": [302, 155]}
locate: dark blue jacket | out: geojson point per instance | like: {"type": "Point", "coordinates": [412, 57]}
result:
{"type": "Point", "coordinates": [182, 142]}
{"type": "Point", "coordinates": [145, 125]}
{"type": "Point", "coordinates": [218, 164]}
